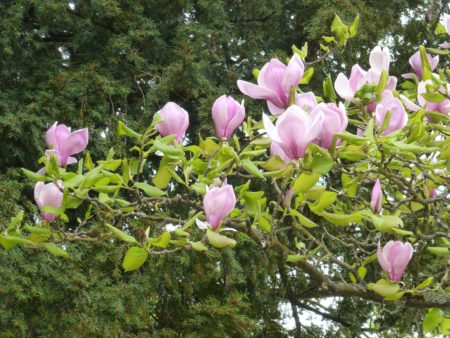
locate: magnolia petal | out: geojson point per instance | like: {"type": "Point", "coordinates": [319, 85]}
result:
{"type": "Point", "coordinates": [342, 86]}
{"type": "Point", "coordinates": [271, 130]}
{"type": "Point", "coordinates": [258, 92]}
{"type": "Point", "coordinates": [385, 265]}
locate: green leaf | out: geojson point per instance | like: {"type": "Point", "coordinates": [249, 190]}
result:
{"type": "Point", "coordinates": [106, 189]}
{"type": "Point", "coordinates": [352, 277]}
{"type": "Point", "coordinates": [74, 182]}
{"type": "Point", "coordinates": [305, 181]}
{"type": "Point", "coordinates": [167, 149]}
{"type": "Point", "coordinates": [251, 168]}
{"type": "Point", "coordinates": [254, 201]}
{"type": "Point", "coordinates": [307, 76]}
{"type": "Point", "coordinates": [134, 258]}
{"type": "Point", "coordinates": [264, 224]}
{"type": "Point", "coordinates": [10, 241]}
{"type": "Point", "coordinates": [382, 83]}
{"type": "Point", "coordinates": [295, 258]}
{"type": "Point", "coordinates": [15, 221]}
{"type": "Point", "coordinates": [426, 75]}
{"type": "Point", "coordinates": [342, 219]}
{"type": "Point", "coordinates": [336, 24]}
{"type": "Point", "coordinates": [439, 251]}
{"type": "Point", "coordinates": [149, 190]}
{"type": "Point", "coordinates": [328, 88]}
{"type": "Point", "coordinates": [33, 176]}
{"type": "Point", "coordinates": [209, 147]}
{"type": "Point", "coordinates": [445, 326]}
{"type": "Point", "coordinates": [191, 221]}
{"type": "Point", "coordinates": [329, 39]}
{"type": "Point", "coordinates": [433, 97]}
{"type": "Point", "coordinates": [306, 222]}
{"type": "Point", "coordinates": [410, 147]}
{"type": "Point", "coordinates": [385, 223]}
{"type": "Point", "coordinates": [198, 246]}
{"type": "Point", "coordinates": [89, 165]}
{"type": "Point", "coordinates": [112, 165]}
{"type": "Point", "coordinates": [37, 230]}
{"type": "Point", "coordinates": [354, 27]}
{"type": "Point", "coordinates": [351, 138]}
{"type": "Point", "coordinates": [163, 176]}
{"type": "Point", "coordinates": [56, 250]}
{"type": "Point", "coordinates": [218, 240]}
{"type": "Point", "coordinates": [199, 187]}
{"type": "Point", "coordinates": [274, 163]}
{"type": "Point", "coordinates": [120, 234]}
{"type": "Point", "coordinates": [424, 284]}
{"type": "Point", "coordinates": [402, 232]}
{"type": "Point", "coordinates": [326, 199]}
{"type": "Point", "coordinates": [384, 288]}
{"type": "Point", "coordinates": [362, 272]}
{"type": "Point", "coordinates": [321, 164]}
{"type": "Point", "coordinates": [161, 241]}
{"type": "Point", "coordinates": [432, 320]}
{"type": "Point", "coordinates": [123, 130]}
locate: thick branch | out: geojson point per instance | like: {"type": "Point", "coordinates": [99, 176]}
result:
{"type": "Point", "coordinates": [329, 288]}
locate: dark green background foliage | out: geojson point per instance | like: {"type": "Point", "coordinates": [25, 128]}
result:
{"type": "Point", "coordinates": [92, 63]}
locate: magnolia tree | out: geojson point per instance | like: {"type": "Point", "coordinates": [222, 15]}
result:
{"type": "Point", "coordinates": [351, 181]}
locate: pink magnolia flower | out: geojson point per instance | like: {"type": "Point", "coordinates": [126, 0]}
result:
{"type": "Point", "coordinates": [48, 195]}
{"type": "Point", "coordinates": [176, 121]}
{"type": "Point", "coordinates": [275, 81]}
{"type": "Point", "coordinates": [227, 114]}
{"type": "Point", "coordinates": [294, 131]}
{"type": "Point", "coordinates": [64, 143]}
{"type": "Point", "coordinates": [377, 197]}
{"type": "Point", "coordinates": [379, 60]}
{"type": "Point", "coordinates": [394, 258]}
{"type": "Point", "coordinates": [334, 121]}
{"type": "Point", "coordinates": [416, 64]}
{"type": "Point", "coordinates": [398, 118]}
{"type": "Point", "coordinates": [447, 29]}
{"type": "Point", "coordinates": [218, 203]}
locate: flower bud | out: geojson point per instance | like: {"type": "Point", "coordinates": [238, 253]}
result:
{"type": "Point", "coordinates": [394, 258]}
{"type": "Point", "coordinates": [218, 203]}
{"type": "Point", "coordinates": [48, 195]}
{"type": "Point", "coordinates": [377, 197]}
{"type": "Point", "coordinates": [176, 121]}
{"type": "Point", "coordinates": [227, 114]}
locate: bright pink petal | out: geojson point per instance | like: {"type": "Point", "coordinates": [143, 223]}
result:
{"type": "Point", "coordinates": [293, 74]}
{"type": "Point", "coordinates": [75, 143]}
{"type": "Point", "coordinates": [356, 75]}
{"type": "Point", "coordinates": [258, 92]}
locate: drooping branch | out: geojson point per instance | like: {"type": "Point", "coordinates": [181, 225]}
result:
{"type": "Point", "coordinates": [328, 288]}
